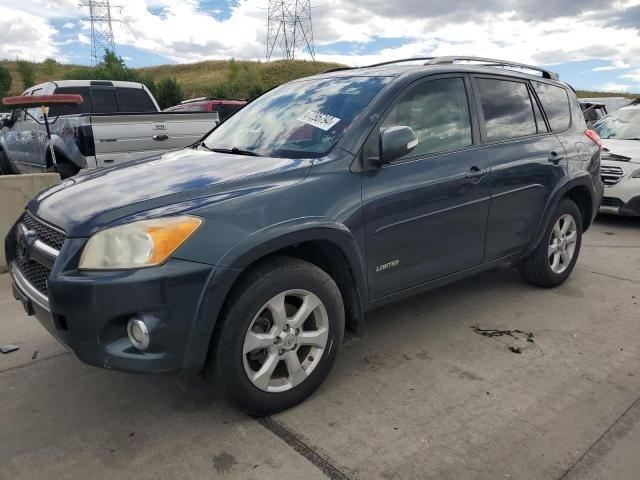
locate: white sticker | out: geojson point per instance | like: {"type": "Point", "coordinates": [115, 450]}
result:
{"type": "Point", "coordinates": [319, 120]}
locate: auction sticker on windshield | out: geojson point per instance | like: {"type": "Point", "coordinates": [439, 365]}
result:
{"type": "Point", "coordinates": [319, 120]}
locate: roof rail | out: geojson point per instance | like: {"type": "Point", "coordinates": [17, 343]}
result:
{"type": "Point", "coordinates": [492, 62]}
{"type": "Point", "coordinates": [391, 62]}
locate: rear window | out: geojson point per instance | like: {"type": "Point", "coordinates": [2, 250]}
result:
{"type": "Point", "coordinates": [104, 100]}
{"type": "Point", "coordinates": [197, 108]}
{"type": "Point", "coordinates": [84, 107]}
{"type": "Point", "coordinates": [556, 105]}
{"type": "Point", "coordinates": [226, 110]}
{"type": "Point", "coordinates": [507, 109]}
{"type": "Point", "coordinates": [134, 100]}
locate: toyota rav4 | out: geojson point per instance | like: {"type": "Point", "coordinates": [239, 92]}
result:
{"type": "Point", "coordinates": [249, 254]}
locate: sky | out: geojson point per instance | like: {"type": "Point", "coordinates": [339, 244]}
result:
{"type": "Point", "coordinates": [592, 44]}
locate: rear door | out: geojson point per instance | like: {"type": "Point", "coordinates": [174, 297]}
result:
{"type": "Point", "coordinates": [526, 161]}
{"type": "Point", "coordinates": [425, 214]}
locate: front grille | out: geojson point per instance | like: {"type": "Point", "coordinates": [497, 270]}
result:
{"type": "Point", "coordinates": [49, 235]}
{"type": "Point", "coordinates": [612, 202]}
{"type": "Point", "coordinates": [611, 174]}
{"type": "Point", "coordinates": [35, 273]}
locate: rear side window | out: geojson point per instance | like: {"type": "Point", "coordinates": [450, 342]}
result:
{"type": "Point", "coordinates": [84, 107]}
{"type": "Point", "coordinates": [104, 100]}
{"type": "Point", "coordinates": [507, 109]}
{"type": "Point", "coordinates": [134, 100]}
{"type": "Point", "coordinates": [556, 105]}
{"type": "Point", "coordinates": [438, 113]}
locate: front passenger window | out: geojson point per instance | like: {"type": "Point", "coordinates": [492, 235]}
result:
{"type": "Point", "coordinates": [438, 113]}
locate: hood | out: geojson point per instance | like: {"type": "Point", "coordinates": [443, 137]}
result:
{"type": "Point", "coordinates": [169, 183]}
{"type": "Point", "coordinates": [621, 150]}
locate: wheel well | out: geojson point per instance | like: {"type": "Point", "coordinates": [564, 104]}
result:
{"type": "Point", "coordinates": [580, 195]}
{"type": "Point", "coordinates": [60, 157]}
{"type": "Point", "coordinates": [330, 258]}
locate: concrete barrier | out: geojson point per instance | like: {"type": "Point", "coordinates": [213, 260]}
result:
{"type": "Point", "coordinates": [15, 193]}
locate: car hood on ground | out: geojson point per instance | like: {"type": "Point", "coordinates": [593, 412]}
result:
{"type": "Point", "coordinates": [165, 184]}
{"type": "Point", "coordinates": [621, 150]}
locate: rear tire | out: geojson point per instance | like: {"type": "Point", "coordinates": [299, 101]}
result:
{"type": "Point", "coordinates": [278, 336]}
{"type": "Point", "coordinates": [6, 167]}
{"type": "Point", "coordinates": [551, 263]}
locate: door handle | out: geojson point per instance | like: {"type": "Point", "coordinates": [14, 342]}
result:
{"type": "Point", "coordinates": [475, 173]}
{"type": "Point", "coordinates": [555, 158]}
{"type": "Point", "coordinates": [160, 138]}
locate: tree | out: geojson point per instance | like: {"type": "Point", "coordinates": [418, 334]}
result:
{"type": "Point", "coordinates": [112, 67]}
{"type": "Point", "coordinates": [168, 93]}
{"type": "Point", "coordinates": [5, 81]}
{"type": "Point", "coordinates": [49, 66]}
{"type": "Point", "coordinates": [27, 73]}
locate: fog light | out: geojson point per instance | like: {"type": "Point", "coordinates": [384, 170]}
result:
{"type": "Point", "coordinates": [138, 333]}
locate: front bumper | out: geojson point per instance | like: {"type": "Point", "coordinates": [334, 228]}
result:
{"type": "Point", "coordinates": [89, 311]}
{"type": "Point", "coordinates": [617, 206]}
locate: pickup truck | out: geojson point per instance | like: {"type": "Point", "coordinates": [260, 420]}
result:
{"type": "Point", "coordinates": [115, 123]}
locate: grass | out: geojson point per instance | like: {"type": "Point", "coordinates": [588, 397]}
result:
{"type": "Point", "coordinates": [197, 79]}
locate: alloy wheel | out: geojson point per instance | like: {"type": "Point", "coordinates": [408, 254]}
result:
{"type": "Point", "coordinates": [562, 244]}
{"type": "Point", "coordinates": [285, 341]}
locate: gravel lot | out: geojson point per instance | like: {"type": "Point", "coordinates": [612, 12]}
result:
{"type": "Point", "coordinates": [422, 395]}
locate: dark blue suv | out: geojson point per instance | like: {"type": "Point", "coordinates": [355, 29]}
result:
{"type": "Point", "coordinates": [248, 255]}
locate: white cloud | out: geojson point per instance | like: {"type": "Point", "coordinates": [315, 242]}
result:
{"type": "Point", "coordinates": [633, 76]}
{"type": "Point", "coordinates": [69, 25]}
{"type": "Point", "coordinates": [26, 36]}
{"type": "Point", "coordinates": [82, 38]}
{"type": "Point", "coordinates": [617, 65]}
{"type": "Point", "coordinates": [615, 87]}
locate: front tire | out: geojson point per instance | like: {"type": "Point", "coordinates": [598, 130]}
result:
{"type": "Point", "coordinates": [278, 336]}
{"type": "Point", "coordinates": [551, 263]}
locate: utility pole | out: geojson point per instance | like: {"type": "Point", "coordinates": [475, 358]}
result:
{"type": "Point", "coordinates": [101, 29]}
{"type": "Point", "coordinates": [289, 27]}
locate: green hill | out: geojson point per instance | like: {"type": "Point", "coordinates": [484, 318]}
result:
{"type": "Point", "coordinates": [198, 79]}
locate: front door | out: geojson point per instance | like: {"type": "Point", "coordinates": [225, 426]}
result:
{"type": "Point", "coordinates": [425, 214]}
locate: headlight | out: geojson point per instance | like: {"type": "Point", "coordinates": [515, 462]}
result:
{"type": "Point", "coordinates": [139, 244]}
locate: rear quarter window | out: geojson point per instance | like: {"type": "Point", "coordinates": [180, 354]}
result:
{"type": "Point", "coordinates": [555, 103]}
{"type": "Point", "coordinates": [134, 100]}
{"type": "Point", "coordinates": [84, 107]}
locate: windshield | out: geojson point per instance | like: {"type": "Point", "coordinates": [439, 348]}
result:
{"type": "Point", "coordinates": [302, 119]}
{"type": "Point", "coordinates": [621, 125]}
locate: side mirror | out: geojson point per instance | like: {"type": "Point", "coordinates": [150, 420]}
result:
{"type": "Point", "coordinates": [396, 142]}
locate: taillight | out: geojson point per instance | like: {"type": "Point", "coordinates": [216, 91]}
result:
{"type": "Point", "coordinates": [594, 137]}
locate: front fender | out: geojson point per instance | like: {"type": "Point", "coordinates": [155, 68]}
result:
{"type": "Point", "coordinates": [583, 179]}
{"type": "Point", "coordinates": [252, 248]}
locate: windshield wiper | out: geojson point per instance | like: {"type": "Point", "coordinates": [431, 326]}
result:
{"type": "Point", "coordinates": [235, 151]}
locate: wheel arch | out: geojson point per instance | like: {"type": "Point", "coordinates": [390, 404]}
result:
{"type": "Point", "coordinates": [62, 152]}
{"type": "Point", "coordinates": [328, 245]}
{"type": "Point", "coordinates": [581, 190]}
